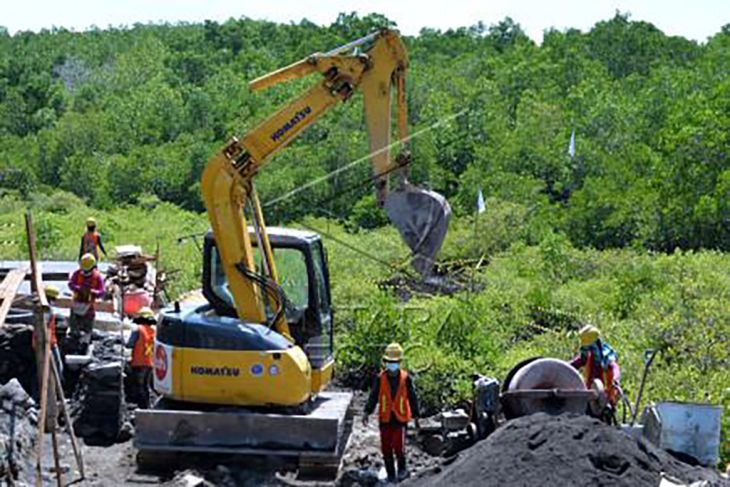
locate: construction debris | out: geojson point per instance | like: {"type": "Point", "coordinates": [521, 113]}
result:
{"type": "Point", "coordinates": [563, 450]}
{"type": "Point", "coordinates": [17, 432]}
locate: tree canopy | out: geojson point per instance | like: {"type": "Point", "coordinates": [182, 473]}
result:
{"type": "Point", "coordinates": [119, 115]}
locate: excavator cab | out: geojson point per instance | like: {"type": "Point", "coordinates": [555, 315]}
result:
{"type": "Point", "coordinates": [302, 265]}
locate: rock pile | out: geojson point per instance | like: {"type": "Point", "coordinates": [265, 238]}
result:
{"type": "Point", "coordinates": [564, 450]}
{"type": "Point", "coordinates": [18, 430]}
{"type": "Point", "coordinates": [16, 355]}
{"type": "Point", "coordinates": [99, 408]}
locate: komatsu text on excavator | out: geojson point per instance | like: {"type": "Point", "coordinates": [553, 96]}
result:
{"type": "Point", "coordinates": [263, 343]}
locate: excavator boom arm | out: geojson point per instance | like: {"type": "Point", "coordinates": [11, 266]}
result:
{"type": "Point", "coordinates": [373, 65]}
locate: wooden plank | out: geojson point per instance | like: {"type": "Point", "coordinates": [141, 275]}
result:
{"type": "Point", "coordinates": [8, 289]}
{"type": "Point", "coordinates": [47, 275]}
{"type": "Point", "coordinates": [102, 306]}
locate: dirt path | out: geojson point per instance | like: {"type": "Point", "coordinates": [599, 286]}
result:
{"type": "Point", "coordinates": [115, 465]}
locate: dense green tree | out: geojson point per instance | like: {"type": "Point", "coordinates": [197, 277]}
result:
{"type": "Point", "coordinates": [124, 115]}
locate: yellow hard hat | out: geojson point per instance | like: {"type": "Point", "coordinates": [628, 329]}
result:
{"type": "Point", "coordinates": [146, 313]}
{"type": "Point", "coordinates": [88, 262]}
{"type": "Point", "coordinates": [91, 222]}
{"type": "Point", "coordinates": [393, 353]}
{"type": "Point", "coordinates": [51, 291]}
{"type": "Point", "coordinates": [588, 335]}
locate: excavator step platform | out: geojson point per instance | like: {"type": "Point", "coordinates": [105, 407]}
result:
{"type": "Point", "coordinates": [316, 439]}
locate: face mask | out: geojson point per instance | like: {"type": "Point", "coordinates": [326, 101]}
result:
{"type": "Point", "coordinates": [392, 366]}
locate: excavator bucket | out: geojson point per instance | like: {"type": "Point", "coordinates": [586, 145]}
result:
{"type": "Point", "coordinates": [422, 218]}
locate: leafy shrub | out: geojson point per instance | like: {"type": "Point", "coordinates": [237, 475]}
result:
{"type": "Point", "coordinates": [57, 201]}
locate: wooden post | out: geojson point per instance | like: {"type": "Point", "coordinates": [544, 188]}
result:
{"type": "Point", "coordinates": [156, 291]}
{"type": "Point", "coordinates": [69, 425]}
{"type": "Point", "coordinates": [46, 418]}
{"type": "Point", "coordinates": [36, 281]}
{"type": "Point", "coordinates": [56, 462]}
{"type": "Point", "coordinates": [43, 359]}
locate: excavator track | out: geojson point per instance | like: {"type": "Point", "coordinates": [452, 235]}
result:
{"type": "Point", "coordinates": [312, 443]}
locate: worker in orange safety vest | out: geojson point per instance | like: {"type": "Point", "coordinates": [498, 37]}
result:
{"type": "Point", "coordinates": [91, 241]}
{"type": "Point", "coordinates": [142, 343]}
{"type": "Point", "coordinates": [395, 395]}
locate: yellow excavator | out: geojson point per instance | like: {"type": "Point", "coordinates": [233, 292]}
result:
{"type": "Point", "coordinates": [263, 343]}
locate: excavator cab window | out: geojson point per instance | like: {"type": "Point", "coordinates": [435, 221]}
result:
{"type": "Point", "coordinates": [292, 267]}
{"type": "Point", "coordinates": [219, 282]}
{"type": "Point", "coordinates": [302, 269]}
{"type": "Point", "coordinates": [320, 346]}
{"type": "Point", "coordinates": [291, 264]}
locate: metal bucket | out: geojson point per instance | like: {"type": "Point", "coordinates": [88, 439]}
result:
{"type": "Point", "coordinates": [689, 428]}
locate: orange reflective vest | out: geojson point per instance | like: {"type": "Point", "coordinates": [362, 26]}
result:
{"type": "Point", "coordinates": [400, 406]}
{"type": "Point", "coordinates": [51, 332]}
{"type": "Point", "coordinates": [91, 244]}
{"type": "Point", "coordinates": [142, 352]}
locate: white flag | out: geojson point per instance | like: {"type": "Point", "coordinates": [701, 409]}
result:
{"type": "Point", "coordinates": [481, 207]}
{"type": "Point", "coordinates": [571, 146]}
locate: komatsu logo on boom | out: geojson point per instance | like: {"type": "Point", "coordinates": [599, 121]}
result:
{"type": "Point", "coordinates": [300, 115]}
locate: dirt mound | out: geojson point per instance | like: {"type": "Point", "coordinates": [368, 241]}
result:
{"type": "Point", "coordinates": [17, 431]}
{"type": "Point", "coordinates": [564, 450]}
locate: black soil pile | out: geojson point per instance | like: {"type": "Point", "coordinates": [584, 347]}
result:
{"type": "Point", "coordinates": [564, 450]}
{"type": "Point", "coordinates": [16, 355]}
{"type": "Point", "coordinates": [18, 430]}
